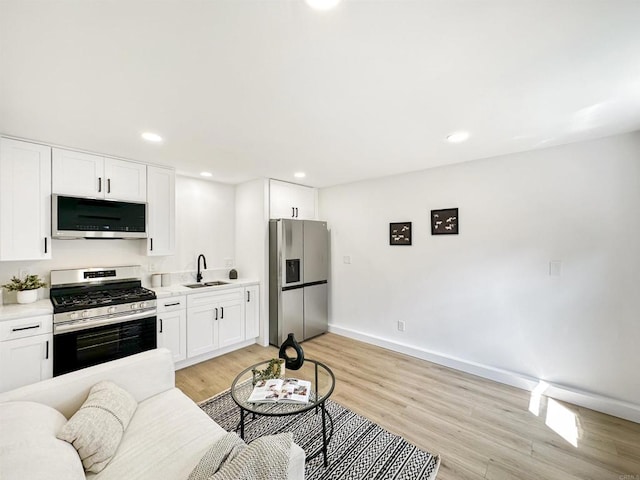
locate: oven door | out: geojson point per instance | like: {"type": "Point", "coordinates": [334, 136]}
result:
{"type": "Point", "coordinates": [73, 350]}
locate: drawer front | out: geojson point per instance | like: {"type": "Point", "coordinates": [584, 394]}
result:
{"type": "Point", "coordinates": [172, 304]}
{"type": "Point", "coordinates": [25, 327]}
{"type": "Point", "coordinates": [208, 298]}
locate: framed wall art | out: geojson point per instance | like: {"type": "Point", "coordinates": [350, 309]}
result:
{"type": "Point", "coordinates": [400, 233]}
{"type": "Point", "coordinates": [445, 222]}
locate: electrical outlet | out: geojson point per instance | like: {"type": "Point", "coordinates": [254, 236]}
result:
{"type": "Point", "coordinates": [555, 268]}
{"type": "Point", "coordinates": [153, 267]}
{"type": "Point", "coordinates": [346, 259]}
{"type": "Point", "coordinates": [228, 262]}
{"type": "Point", "coordinates": [401, 325]}
{"type": "Point", "coordinates": [23, 272]}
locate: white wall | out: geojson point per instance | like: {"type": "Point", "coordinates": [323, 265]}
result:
{"type": "Point", "coordinates": [484, 298]}
{"type": "Point", "coordinates": [205, 223]}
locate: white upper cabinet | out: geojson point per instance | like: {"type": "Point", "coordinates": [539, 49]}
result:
{"type": "Point", "coordinates": [161, 211]}
{"type": "Point", "coordinates": [125, 180]}
{"type": "Point", "coordinates": [25, 201]}
{"type": "Point", "coordinates": [78, 174]}
{"type": "Point", "coordinates": [86, 175]}
{"type": "Point", "coordinates": [288, 200]}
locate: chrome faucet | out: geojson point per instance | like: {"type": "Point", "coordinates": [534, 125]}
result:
{"type": "Point", "coordinates": [199, 275]}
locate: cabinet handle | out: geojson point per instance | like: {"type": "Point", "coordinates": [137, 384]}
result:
{"type": "Point", "coordinates": [45, 244]}
{"type": "Point", "coordinates": [25, 328]}
{"type": "Point", "coordinates": [171, 304]}
{"type": "Point", "coordinates": [99, 184]}
{"type": "Point", "coordinates": [222, 308]}
{"type": "Point", "coordinates": [108, 185]}
{"type": "Point", "coordinates": [46, 354]}
{"type": "Point", "coordinates": [160, 325]}
{"type": "Point", "coordinates": [151, 249]}
{"type": "Point", "coordinates": [248, 296]}
{"type": "Point", "coordinates": [296, 212]}
{"type": "Point", "coordinates": [293, 212]}
{"type": "Point", "coordinates": [216, 313]}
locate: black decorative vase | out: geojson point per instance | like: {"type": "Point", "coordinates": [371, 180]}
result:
{"type": "Point", "coordinates": [291, 363]}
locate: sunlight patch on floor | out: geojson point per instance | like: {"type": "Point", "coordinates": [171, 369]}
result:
{"type": "Point", "coordinates": [536, 398]}
{"type": "Point", "coordinates": [562, 421]}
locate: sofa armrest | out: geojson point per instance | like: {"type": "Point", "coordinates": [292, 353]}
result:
{"type": "Point", "coordinates": [143, 375]}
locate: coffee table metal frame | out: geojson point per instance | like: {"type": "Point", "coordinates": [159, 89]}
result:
{"type": "Point", "coordinates": [284, 409]}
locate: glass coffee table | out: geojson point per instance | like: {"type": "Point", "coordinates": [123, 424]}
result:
{"type": "Point", "coordinates": [322, 384]}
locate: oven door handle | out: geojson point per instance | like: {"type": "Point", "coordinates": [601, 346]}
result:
{"type": "Point", "coordinates": [76, 325]}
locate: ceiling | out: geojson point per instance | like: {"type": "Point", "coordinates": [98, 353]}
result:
{"type": "Point", "coordinates": [265, 88]}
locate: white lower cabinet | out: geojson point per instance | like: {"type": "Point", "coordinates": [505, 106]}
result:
{"type": "Point", "coordinates": [202, 335]}
{"type": "Point", "coordinates": [251, 311]}
{"type": "Point", "coordinates": [26, 351]}
{"type": "Point", "coordinates": [214, 320]}
{"type": "Point", "coordinates": [172, 326]}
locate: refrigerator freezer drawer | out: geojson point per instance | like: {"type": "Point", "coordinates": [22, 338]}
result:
{"type": "Point", "coordinates": [292, 312]}
{"type": "Point", "coordinates": [315, 310]}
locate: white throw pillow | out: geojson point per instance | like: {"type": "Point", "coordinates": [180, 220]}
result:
{"type": "Point", "coordinates": [29, 448]}
{"type": "Point", "coordinates": [96, 429]}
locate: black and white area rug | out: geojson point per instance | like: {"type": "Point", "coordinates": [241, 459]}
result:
{"type": "Point", "coordinates": [359, 449]}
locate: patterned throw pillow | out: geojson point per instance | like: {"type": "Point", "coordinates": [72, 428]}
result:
{"type": "Point", "coordinates": [96, 429]}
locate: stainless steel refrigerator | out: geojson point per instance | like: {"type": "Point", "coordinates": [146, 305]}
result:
{"type": "Point", "coordinates": [298, 274]}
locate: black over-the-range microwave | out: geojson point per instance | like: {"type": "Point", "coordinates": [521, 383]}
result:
{"type": "Point", "coordinates": [79, 217]}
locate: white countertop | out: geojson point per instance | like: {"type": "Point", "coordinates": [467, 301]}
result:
{"type": "Point", "coordinates": [17, 310]}
{"type": "Point", "coordinates": [175, 290]}
{"type": "Point", "coordinates": [44, 306]}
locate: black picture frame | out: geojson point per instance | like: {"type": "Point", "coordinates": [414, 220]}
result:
{"type": "Point", "coordinates": [445, 222]}
{"type": "Point", "coordinates": [400, 233]}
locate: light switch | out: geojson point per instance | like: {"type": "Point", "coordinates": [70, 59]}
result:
{"type": "Point", "coordinates": [346, 259]}
{"type": "Point", "coordinates": [555, 268]}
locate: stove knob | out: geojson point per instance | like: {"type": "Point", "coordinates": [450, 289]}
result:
{"type": "Point", "coordinates": [143, 304]}
{"type": "Point", "coordinates": [85, 314]}
{"type": "Point", "coordinates": [73, 315]}
{"type": "Point", "coordinates": [111, 310]}
{"type": "Point", "coordinates": [133, 306]}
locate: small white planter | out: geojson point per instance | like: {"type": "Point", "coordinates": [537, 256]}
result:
{"type": "Point", "coordinates": [27, 296]}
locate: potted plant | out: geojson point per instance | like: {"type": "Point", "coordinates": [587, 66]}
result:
{"type": "Point", "coordinates": [27, 289]}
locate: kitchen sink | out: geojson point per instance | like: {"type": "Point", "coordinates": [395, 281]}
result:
{"type": "Point", "coordinates": [206, 284]}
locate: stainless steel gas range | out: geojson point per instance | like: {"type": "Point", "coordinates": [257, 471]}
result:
{"type": "Point", "coordinates": [100, 314]}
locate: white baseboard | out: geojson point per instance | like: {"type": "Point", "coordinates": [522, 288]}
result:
{"type": "Point", "coordinates": [216, 353]}
{"type": "Point", "coordinates": [600, 403]}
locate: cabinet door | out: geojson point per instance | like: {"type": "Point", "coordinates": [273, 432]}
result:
{"type": "Point", "coordinates": [288, 200]}
{"type": "Point", "coordinates": [304, 199]}
{"type": "Point", "coordinates": [162, 211]}
{"type": "Point", "coordinates": [125, 180]}
{"type": "Point", "coordinates": [78, 174]}
{"type": "Point", "coordinates": [25, 201]}
{"type": "Point", "coordinates": [251, 312]}
{"type": "Point", "coordinates": [25, 361]}
{"type": "Point", "coordinates": [172, 333]}
{"type": "Point", "coordinates": [230, 322]}
{"type": "Point", "coordinates": [202, 330]}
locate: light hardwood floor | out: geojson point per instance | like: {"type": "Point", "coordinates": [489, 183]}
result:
{"type": "Point", "coordinates": [480, 428]}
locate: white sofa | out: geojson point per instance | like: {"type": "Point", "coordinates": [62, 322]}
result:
{"type": "Point", "coordinates": [166, 438]}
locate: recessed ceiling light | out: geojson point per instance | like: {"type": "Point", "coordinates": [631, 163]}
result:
{"type": "Point", "coordinates": [151, 137]}
{"type": "Point", "coordinates": [322, 4]}
{"type": "Point", "coordinates": [206, 174]}
{"type": "Point", "coordinates": [299, 174]}
{"type": "Point", "coordinates": [458, 137]}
